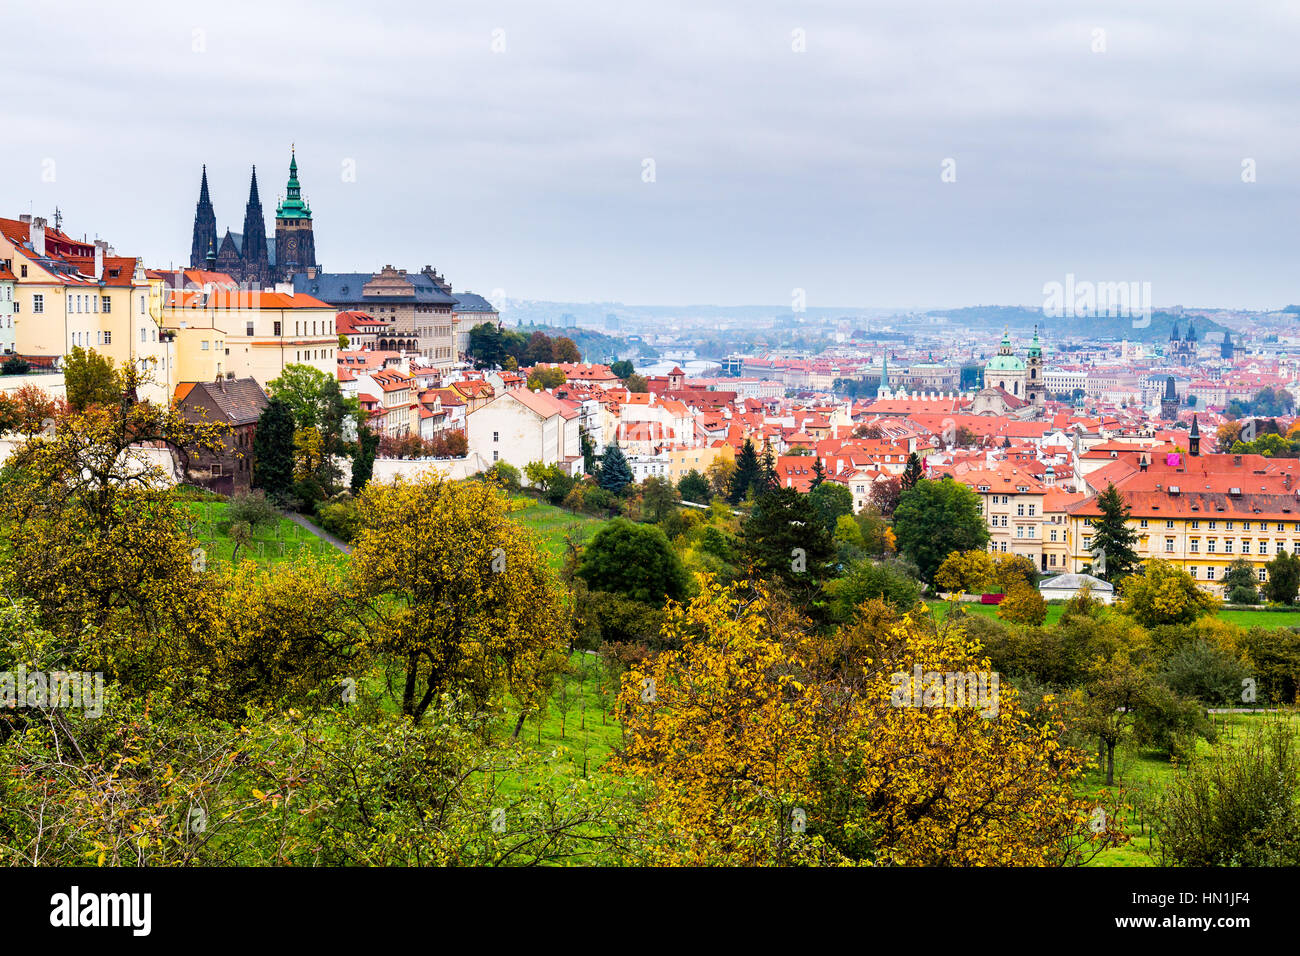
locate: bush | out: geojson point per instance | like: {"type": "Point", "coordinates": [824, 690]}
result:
{"type": "Point", "coordinates": [613, 619]}
{"type": "Point", "coordinates": [886, 580]}
{"type": "Point", "coordinates": [506, 475]}
{"type": "Point", "coordinates": [15, 366]}
{"type": "Point", "coordinates": [1208, 674]}
{"type": "Point", "coordinates": [1239, 806]}
{"type": "Point", "coordinates": [254, 508]}
{"type": "Point", "coordinates": [1023, 605]}
{"type": "Point", "coordinates": [341, 518]}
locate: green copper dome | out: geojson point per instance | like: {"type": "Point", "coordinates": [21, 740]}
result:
{"type": "Point", "coordinates": [293, 206]}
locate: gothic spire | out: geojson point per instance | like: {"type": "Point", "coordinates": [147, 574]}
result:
{"type": "Point", "coordinates": [205, 225]}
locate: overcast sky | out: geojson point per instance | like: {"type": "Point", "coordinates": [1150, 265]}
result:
{"type": "Point", "coordinates": [507, 143]}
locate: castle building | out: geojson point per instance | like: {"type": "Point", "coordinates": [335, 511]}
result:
{"type": "Point", "coordinates": [252, 258]}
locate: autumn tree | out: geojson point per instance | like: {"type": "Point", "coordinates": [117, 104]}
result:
{"type": "Point", "coordinates": [91, 379]}
{"type": "Point", "coordinates": [762, 742]}
{"type": "Point", "coordinates": [1023, 604]}
{"type": "Point", "coordinates": [458, 594]}
{"type": "Point", "coordinates": [884, 495]}
{"type": "Point", "coordinates": [968, 572]}
{"type": "Point", "coordinates": [1164, 594]}
{"type": "Point", "coordinates": [1283, 578]}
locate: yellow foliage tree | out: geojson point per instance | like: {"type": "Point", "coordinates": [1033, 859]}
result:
{"type": "Point", "coordinates": [1164, 594]}
{"type": "Point", "coordinates": [763, 743]}
{"type": "Point", "coordinates": [970, 572]}
{"type": "Point", "coordinates": [1023, 605]}
{"type": "Point", "coordinates": [457, 592]}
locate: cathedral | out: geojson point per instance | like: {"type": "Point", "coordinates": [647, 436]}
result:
{"type": "Point", "coordinates": [1182, 351]}
{"type": "Point", "coordinates": [252, 257]}
{"type": "Point", "coordinates": [1017, 377]}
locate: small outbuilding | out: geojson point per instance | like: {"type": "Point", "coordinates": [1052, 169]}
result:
{"type": "Point", "coordinates": [1065, 586]}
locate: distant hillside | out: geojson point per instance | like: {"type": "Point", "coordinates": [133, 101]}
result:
{"type": "Point", "coordinates": [1116, 328]}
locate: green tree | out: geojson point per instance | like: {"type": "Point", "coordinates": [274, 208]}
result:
{"type": "Point", "coordinates": [784, 538]}
{"type": "Point", "coordinates": [637, 384]}
{"type": "Point", "coordinates": [363, 461]}
{"type": "Point", "coordinates": [694, 487]}
{"type": "Point", "coordinates": [746, 474]}
{"type": "Point", "coordinates": [91, 379]}
{"type": "Point", "coordinates": [1112, 539]}
{"type": "Point", "coordinates": [622, 368]}
{"type": "Point", "coordinates": [1283, 578]}
{"type": "Point", "coordinates": [935, 518]}
{"type": "Point", "coordinates": [831, 500]}
{"type": "Point", "coordinates": [912, 472]}
{"type": "Point", "coordinates": [659, 497]}
{"type": "Point", "coordinates": [615, 474]}
{"type": "Point", "coordinates": [819, 473]}
{"type": "Point", "coordinates": [273, 451]}
{"type": "Point", "coordinates": [634, 560]}
{"type": "Point", "coordinates": [1240, 582]}
{"type": "Point", "coordinates": [866, 580]}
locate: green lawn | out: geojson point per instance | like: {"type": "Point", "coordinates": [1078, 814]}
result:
{"type": "Point", "coordinates": [940, 609]}
{"type": "Point", "coordinates": [1054, 611]}
{"type": "Point", "coordinates": [553, 525]}
{"type": "Point", "coordinates": [271, 544]}
{"type": "Point", "coordinates": [1140, 777]}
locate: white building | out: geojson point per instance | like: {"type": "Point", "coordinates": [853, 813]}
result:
{"type": "Point", "coordinates": [521, 426]}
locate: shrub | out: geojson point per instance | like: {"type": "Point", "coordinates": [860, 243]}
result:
{"type": "Point", "coordinates": [1208, 674]}
{"type": "Point", "coordinates": [254, 508]}
{"type": "Point", "coordinates": [1238, 807]}
{"type": "Point", "coordinates": [506, 475]}
{"type": "Point", "coordinates": [340, 518]}
{"type": "Point", "coordinates": [1023, 605]}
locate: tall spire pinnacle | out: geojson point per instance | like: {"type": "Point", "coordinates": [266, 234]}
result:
{"type": "Point", "coordinates": [252, 190]}
{"type": "Point", "coordinates": [293, 206]}
{"type": "Point", "coordinates": [203, 187]}
{"type": "Point", "coordinates": [205, 225]}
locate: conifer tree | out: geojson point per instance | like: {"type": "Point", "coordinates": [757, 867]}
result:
{"type": "Point", "coordinates": [745, 475]}
{"type": "Point", "coordinates": [615, 473]}
{"type": "Point", "coordinates": [1112, 537]}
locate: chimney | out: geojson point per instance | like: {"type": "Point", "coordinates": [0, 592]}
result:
{"type": "Point", "coordinates": [101, 247]}
{"type": "Point", "coordinates": [38, 236]}
{"type": "Point", "coordinates": [1286, 481]}
{"type": "Point", "coordinates": [26, 217]}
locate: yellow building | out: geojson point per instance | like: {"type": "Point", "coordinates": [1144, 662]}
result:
{"type": "Point", "coordinates": [249, 334]}
{"type": "Point", "coordinates": [1202, 512]}
{"type": "Point", "coordinates": [683, 460]}
{"type": "Point", "coordinates": [70, 294]}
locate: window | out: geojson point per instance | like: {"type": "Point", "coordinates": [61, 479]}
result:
{"type": "Point", "coordinates": [1051, 559]}
{"type": "Point", "coordinates": [1020, 510]}
{"type": "Point", "coordinates": [1227, 546]}
{"type": "Point", "coordinates": [1053, 534]}
{"type": "Point", "coordinates": [495, 454]}
{"type": "Point", "coordinates": [1263, 574]}
{"type": "Point", "coordinates": [1263, 547]}
{"type": "Point", "coordinates": [1192, 570]}
{"type": "Point", "coordinates": [1227, 525]}
{"type": "Point", "coordinates": [277, 328]}
{"type": "Point", "coordinates": [38, 303]}
{"type": "Point", "coordinates": [1210, 545]}
{"type": "Point", "coordinates": [1280, 526]}
{"type": "Point", "coordinates": [108, 303]}
{"type": "Point", "coordinates": [496, 436]}
{"type": "Point", "coordinates": [1169, 545]}
{"type": "Point", "coordinates": [248, 329]}
{"type": "Point", "coordinates": [1169, 524]}
{"type": "Point", "coordinates": [1196, 545]}
{"type": "Point", "coordinates": [144, 335]}
{"type": "Point", "coordinates": [203, 346]}
{"type": "Point", "coordinates": [1031, 510]}
{"type": "Point", "coordinates": [108, 337]}
{"type": "Point", "coordinates": [1142, 523]}
{"type": "Point", "coordinates": [1245, 526]}
{"type": "Point", "coordinates": [1087, 542]}
{"type": "Point", "coordinates": [1281, 548]}
{"type": "Point", "coordinates": [1196, 525]}
{"type": "Point", "coordinates": [22, 271]}
{"type": "Point", "coordinates": [1209, 574]}
{"type": "Point", "coordinates": [1213, 524]}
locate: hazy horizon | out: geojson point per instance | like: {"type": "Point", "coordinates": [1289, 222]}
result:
{"type": "Point", "coordinates": [793, 148]}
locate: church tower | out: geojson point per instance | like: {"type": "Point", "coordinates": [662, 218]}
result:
{"type": "Point", "coordinates": [253, 252]}
{"type": "Point", "coordinates": [205, 227]}
{"type": "Point", "coordinates": [1035, 386]}
{"type": "Point", "coordinates": [295, 243]}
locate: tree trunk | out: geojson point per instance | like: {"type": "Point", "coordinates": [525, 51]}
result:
{"type": "Point", "coordinates": [519, 725]}
{"type": "Point", "coordinates": [1110, 764]}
